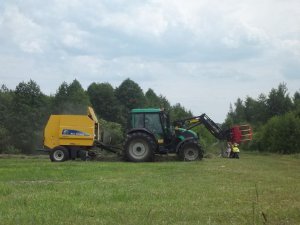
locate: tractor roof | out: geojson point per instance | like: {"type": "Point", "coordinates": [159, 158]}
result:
{"type": "Point", "coordinates": [146, 110]}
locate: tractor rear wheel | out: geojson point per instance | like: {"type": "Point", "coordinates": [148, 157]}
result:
{"type": "Point", "coordinates": [190, 152]}
{"type": "Point", "coordinates": [59, 154]}
{"type": "Point", "coordinates": [139, 147]}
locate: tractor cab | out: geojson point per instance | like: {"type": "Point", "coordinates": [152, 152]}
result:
{"type": "Point", "coordinates": [153, 121]}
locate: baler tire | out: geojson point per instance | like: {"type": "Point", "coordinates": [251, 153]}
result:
{"type": "Point", "coordinates": [59, 154]}
{"type": "Point", "coordinates": [139, 147]}
{"type": "Point", "coordinates": [190, 152]}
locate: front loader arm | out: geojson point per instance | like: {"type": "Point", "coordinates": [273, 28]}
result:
{"type": "Point", "coordinates": [210, 125]}
{"type": "Point", "coordinates": [234, 134]}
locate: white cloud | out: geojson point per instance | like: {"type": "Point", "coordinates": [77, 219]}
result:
{"type": "Point", "coordinates": [203, 54]}
{"type": "Point", "coordinates": [292, 46]}
{"type": "Point", "coordinates": [146, 21]}
{"type": "Point", "coordinates": [27, 34]}
{"type": "Point", "coordinates": [72, 36]}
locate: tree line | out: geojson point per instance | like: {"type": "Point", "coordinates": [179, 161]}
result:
{"type": "Point", "coordinates": [275, 118]}
{"type": "Point", "coordinates": [25, 110]}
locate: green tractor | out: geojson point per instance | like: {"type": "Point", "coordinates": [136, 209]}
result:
{"type": "Point", "coordinates": [150, 132]}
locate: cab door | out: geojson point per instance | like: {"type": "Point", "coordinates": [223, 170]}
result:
{"type": "Point", "coordinates": [153, 124]}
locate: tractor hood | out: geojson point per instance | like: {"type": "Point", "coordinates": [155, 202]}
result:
{"type": "Point", "coordinates": [182, 133]}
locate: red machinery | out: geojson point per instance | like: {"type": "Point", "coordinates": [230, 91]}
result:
{"type": "Point", "coordinates": [241, 133]}
{"type": "Point", "coordinates": [235, 134]}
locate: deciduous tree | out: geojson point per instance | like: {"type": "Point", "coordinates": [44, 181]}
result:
{"type": "Point", "coordinates": [70, 99]}
{"type": "Point", "coordinates": [104, 101]}
{"type": "Point", "coordinates": [29, 111]}
{"type": "Point", "coordinates": [278, 101]}
{"type": "Point", "coordinates": [130, 95]}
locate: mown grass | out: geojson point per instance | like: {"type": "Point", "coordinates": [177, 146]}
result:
{"type": "Point", "coordinates": [257, 189]}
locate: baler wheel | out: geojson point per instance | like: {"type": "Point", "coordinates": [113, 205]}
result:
{"type": "Point", "coordinates": [59, 154]}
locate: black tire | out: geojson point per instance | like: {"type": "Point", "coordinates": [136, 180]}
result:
{"type": "Point", "coordinates": [59, 154]}
{"type": "Point", "coordinates": [190, 152]}
{"type": "Point", "coordinates": [139, 147]}
{"type": "Point", "coordinates": [86, 155]}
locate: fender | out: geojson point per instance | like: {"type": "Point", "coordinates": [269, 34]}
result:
{"type": "Point", "coordinates": [190, 139]}
{"type": "Point", "coordinates": [142, 130]}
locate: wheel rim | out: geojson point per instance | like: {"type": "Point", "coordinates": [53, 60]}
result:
{"type": "Point", "coordinates": [138, 149]}
{"type": "Point", "coordinates": [191, 154]}
{"type": "Point", "coordinates": [58, 155]}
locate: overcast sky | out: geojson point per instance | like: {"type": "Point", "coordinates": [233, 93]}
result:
{"type": "Point", "coordinates": [201, 53]}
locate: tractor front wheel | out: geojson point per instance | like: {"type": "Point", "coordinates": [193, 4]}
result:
{"type": "Point", "coordinates": [190, 152]}
{"type": "Point", "coordinates": [59, 154]}
{"type": "Point", "coordinates": [139, 147]}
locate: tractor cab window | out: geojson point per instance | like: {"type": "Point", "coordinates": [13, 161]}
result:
{"type": "Point", "coordinates": [153, 124]}
{"type": "Point", "coordinates": [137, 121]}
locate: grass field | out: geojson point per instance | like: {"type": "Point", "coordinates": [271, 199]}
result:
{"type": "Point", "coordinates": [257, 189]}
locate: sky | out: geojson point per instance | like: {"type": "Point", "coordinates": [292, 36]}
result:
{"type": "Point", "coordinates": [203, 54]}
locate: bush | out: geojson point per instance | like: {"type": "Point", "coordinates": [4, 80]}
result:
{"type": "Point", "coordinates": [11, 150]}
{"type": "Point", "coordinates": [4, 138]}
{"type": "Point", "coordinates": [112, 133]}
{"type": "Point", "coordinates": [206, 138]}
{"type": "Point", "coordinates": [281, 134]}
{"type": "Point", "coordinates": [255, 143]}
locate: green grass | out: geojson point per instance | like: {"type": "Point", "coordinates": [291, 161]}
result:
{"type": "Point", "coordinates": [213, 191]}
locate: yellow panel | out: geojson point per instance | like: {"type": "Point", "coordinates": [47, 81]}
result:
{"type": "Point", "coordinates": [51, 138]}
{"type": "Point", "coordinates": [69, 130]}
{"type": "Point", "coordinates": [76, 142]}
{"type": "Point", "coordinates": [76, 130]}
{"type": "Point", "coordinates": [91, 113]}
{"type": "Point", "coordinates": [194, 120]}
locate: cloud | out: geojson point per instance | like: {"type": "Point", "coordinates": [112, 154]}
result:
{"type": "Point", "coordinates": [25, 33]}
{"type": "Point", "coordinates": [185, 30]}
{"type": "Point", "coordinates": [145, 21]}
{"type": "Point", "coordinates": [71, 36]}
{"type": "Point", "coordinates": [203, 54]}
